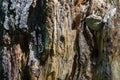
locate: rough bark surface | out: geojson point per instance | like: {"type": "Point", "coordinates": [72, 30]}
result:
{"type": "Point", "coordinates": [59, 39]}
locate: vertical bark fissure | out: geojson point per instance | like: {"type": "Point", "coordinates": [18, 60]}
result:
{"type": "Point", "coordinates": [59, 39]}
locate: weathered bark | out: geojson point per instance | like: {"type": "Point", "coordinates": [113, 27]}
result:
{"type": "Point", "coordinates": [59, 39]}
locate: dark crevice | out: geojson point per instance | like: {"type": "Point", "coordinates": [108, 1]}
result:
{"type": "Point", "coordinates": [25, 73]}
{"type": "Point", "coordinates": [23, 38]}
{"type": "Point", "coordinates": [37, 23]}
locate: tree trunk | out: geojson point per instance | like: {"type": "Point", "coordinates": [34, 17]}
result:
{"type": "Point", "coordinates": [59, 40]}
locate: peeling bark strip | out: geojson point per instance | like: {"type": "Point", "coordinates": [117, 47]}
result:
{"type": "Point", "coordinates": [59, 40]}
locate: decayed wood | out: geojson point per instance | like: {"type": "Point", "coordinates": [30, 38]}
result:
{"type": "Point", "coordinates": [59, 40]}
